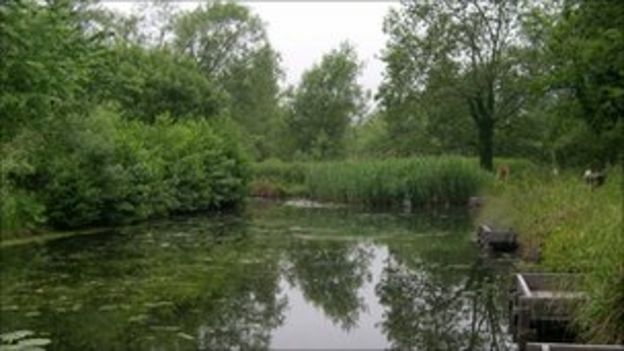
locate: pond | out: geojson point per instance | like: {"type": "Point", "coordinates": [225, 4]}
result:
{"type": "Point", "coordinates": [275, 277]}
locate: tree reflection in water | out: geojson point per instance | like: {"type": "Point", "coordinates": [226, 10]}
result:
{"type": "Point", "coordinates": [329, 274]}
{"type": "Point", "coordinates": [432, 307]}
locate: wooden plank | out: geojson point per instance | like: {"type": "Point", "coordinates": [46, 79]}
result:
{"type": "Point", "coordinates": [536, 300]}
{"type": "Point", "coordinates": [524, 287]}
{"type": "Point", "coordinates": [537, 346]}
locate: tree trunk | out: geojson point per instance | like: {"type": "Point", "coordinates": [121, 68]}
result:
{"type": "Point", "coordinates": [486, 143]}
{"type": "Point", "coordinates": [482, 113]}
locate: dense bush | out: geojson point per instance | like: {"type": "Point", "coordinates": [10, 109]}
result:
{"type": "Point", "coordinates": [45, 60]}
{"type": "Point", "coordinates": [102, 169]}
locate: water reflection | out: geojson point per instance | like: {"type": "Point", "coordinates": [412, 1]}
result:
{"type": "Point", "coordinates": [449, 311]}
{"type": "Point", "coordinates": [330, 275]}
{"type": "Point", "coordinates": [276, 278]}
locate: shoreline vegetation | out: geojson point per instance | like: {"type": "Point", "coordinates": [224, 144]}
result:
{"type": "Point", "coordinates": [565, 226]}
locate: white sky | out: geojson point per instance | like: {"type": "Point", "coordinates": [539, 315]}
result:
{"type": "Point", "coordinates": [302, 31]}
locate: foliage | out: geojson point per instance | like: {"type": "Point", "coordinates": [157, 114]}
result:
{"type": "Point", "coordinates": [370, 138]}
{"type": "Point", "coordinates": [575, 229]}
{"type": "Point", "coordinates": [108, 170]}
{"type": "Point", "coordinates": [275, 178]}
{"type": "Point", "coordinates": [326, 101]}
{"type": "Point", "coordinates": [150, 82]}
{"type": "Point", "coordinates": [68, 163]}
{"type": "Point", "coordinates": [218, 36]}
{"type": "Point", "coordinates": [390, 182]}
{"type": "Point", "coordinates": [584, 48]}
{"type": "Point", "coordinates": [460, 58]}
{"type": "Point", "coordinates": [45, 62]}
{"type": "Point", "coordinates": [394, 181]}
{"type": "Point", "coordinates": [254, 94]}
{"type": "Point", "coordinates": [104, 170]}
{"type": "Point", "coordinates": [229, 44]}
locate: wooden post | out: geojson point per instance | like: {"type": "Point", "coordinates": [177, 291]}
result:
{"type": "Point", "coordinates": [524, 324]}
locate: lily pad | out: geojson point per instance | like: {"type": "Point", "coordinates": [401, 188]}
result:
{"type": "Point", "coordinates": [138, 318]}
{"type": "Point", "coordinates": [185, 336]}
{"type": "Point", "coordinates": [16, 335]}
{"type": "Point", "coordinates": [159, 304]}
{"type": "Point", "coordinates": [34, 342]}
{"type": "Point", "coordinates": [165, 328]}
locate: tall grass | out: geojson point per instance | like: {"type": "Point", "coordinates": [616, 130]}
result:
{"type": "Point", "coordinates": [390, 182]}
{"type": "Point", "coordinates": [574, 229]}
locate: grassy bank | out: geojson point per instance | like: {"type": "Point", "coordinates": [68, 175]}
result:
{"type": "Point", "coordinates": [567, 227]}
{"type": "Point", "coordinates": [390, 182]}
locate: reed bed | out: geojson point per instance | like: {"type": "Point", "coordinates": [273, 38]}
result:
{"type": "Point", "coordinates": [390, 182]}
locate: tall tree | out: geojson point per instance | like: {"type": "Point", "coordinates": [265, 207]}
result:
{"type": "Point", "coordinates": [465, 50]}
{"type": "Point", "coordinates": [219, 36]}
{"type": "Point", "coordinates": [253, 85]}
{"type": "Point", "coordinates": [584, 53]}
{"type": "Point", "coordinates": [230, 46]}
{"type": "Point", "coordinates": [327, 99]}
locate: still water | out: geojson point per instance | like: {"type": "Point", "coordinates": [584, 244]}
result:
{"type": "Point", "coordinates": [276, 277]}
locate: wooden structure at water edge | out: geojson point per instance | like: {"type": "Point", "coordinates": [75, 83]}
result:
{"type": "Point", "coordinates": [496, 240]}
{"type": "Point", "coordinates": [546, 346]}
{"type": "Point", "coordinates": [541, 306]}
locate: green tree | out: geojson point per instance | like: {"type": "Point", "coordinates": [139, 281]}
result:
{"type": "Point", "coordinates": [326, 101]}
{"type": "Point", "coordinates": [253, 86]}
{"type": "Point", "coordinates": [46, 59]}
{"type": "Point", "coordinates": [428, 121]}
{"type": "Point", "coordinates": [150, 82]}
{"type": "Point", "coordinates": [464, 50]}
{"type": "Point", "coordinates": [230, 46]}
{"type": "Point", "coordinates": [584, 53]}
{"type": "Point", "coordinates": [219, 36]}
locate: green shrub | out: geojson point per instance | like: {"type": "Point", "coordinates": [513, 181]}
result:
{"type": "Point", "coordinates": [101, 169]}
{"type": "Point", "coordinates": [276, 170]}
{"type": "Point", "coordinates": [21, 210]}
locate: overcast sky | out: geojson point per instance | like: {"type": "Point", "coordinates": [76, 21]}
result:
{"type": "Point", "coordinates": [303, 31]}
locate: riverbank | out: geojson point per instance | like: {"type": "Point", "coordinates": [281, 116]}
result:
{"type": "Point", "coordinates": [564, 226]}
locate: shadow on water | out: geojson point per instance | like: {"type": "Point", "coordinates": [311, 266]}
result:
{"type": "Point", "coordinates": [277, 277]}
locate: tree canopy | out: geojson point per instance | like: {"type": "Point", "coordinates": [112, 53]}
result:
{"type": "Point", "coordinates": [325, 102]}
{"type": "Point", "coordinates": [464, 51]}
